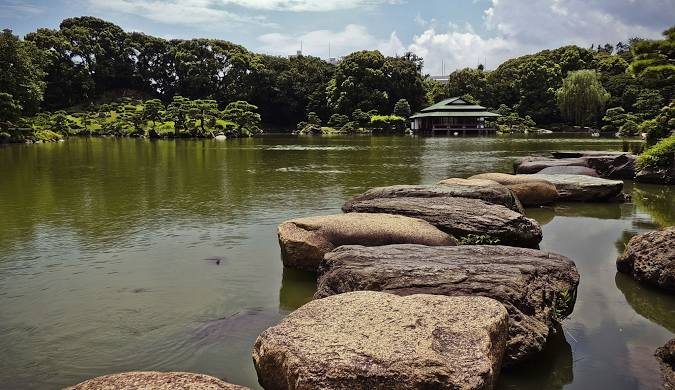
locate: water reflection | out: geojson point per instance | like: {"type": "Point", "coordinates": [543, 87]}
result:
{"type": "Point", "coordinates": [551, 369]}
{"type": "Point", "coordinates": [126, 254]}
{"type": "Point", "coordinates": [653, 304]}
{"type": "Point", "coordinates": [297, 288]}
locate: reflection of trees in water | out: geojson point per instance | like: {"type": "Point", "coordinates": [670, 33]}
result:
{"type": "Point", "coordinates": [656, 306]}
{"type": "Point", "coordinates": [657, 201]}
{"type": "Point", "coordinates": [297, 288]}
{"type": "Point", "coordinates": [550, 369]}
{"type": "Point", "coordinates": [105, 190]}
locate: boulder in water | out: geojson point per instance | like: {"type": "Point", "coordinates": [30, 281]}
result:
{"type": "Point", "coordinates": [536, 287]}
{"type": "Point", "coordinates": [373, 340]}
{"type": "Point", "coordinates": [569, 170]}
{"type": "Point", "coordinates": [666, 357]}
{"type": "Point", "coordinates": [491, 194]}
{"type": "Point", "coordinates": [530, 192]}
{"type": "Point", "coordinates": [304, 241]}
{"type": "Point", "coordinates": [151, 380]}
{"type": "Point", "coordinates": [650, 258]}
{"type": "Point", "coordinates": [460, 217]}
{"type": "Point", "coordinates": [581, 188]}
{"type": "Point", "coordinates": [530, 167]}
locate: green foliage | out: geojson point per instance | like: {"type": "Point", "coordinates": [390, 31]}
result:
{"type": "Point", "coordinates": [563, 304]}
{"type": "Point", "coordinates": [654, 62]}
{"type": "Point", "coordinates": [402, 109]}
{"type": "Point", "coordinates": [243, 114]}
{"type": "Point", "coordinates": [46, 135]}
{"type": "Point", "coordinates": [21, 72]}
{"type": "Point", "coordinates": [360, 117]}
{"type": "Point", "coordinates": [313, 119]}
{"type": "Point", "coordinates": [479, 239]}
{"type": "Point", "coordinates": [468, 81]}
{"type": "Point", "coordinates": [647, 104]}
{"type": "Point", "coordinates": [628, 129]}
{"type": "Point", "coordinates": [338, 120]}
{"type": "Point", "coordinates": [658, 156]}
{"type": "Point", "coordinates": [10, 110]}
{"type": "Point", "coordinates": [388, 123]}
{"type": "Point", "coordinates": [510, 121]}
{"type": "Point", "coordinates": [660, 126]}
{"type": "Point", "coordinates": [582, 97]}
{"type": "Point", "coordinates": [614, 118]}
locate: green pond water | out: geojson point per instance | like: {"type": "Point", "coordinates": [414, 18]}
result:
{"type": "Point", "coordinates": [125, 254]}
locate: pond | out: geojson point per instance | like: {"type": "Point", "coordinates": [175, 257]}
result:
{"type": "Point", "coordinates": [128, 254]}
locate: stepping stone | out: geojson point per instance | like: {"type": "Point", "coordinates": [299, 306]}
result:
{"type": "Point", "coordinates": [373, 340]}
{"type": "Point", "coordinates": [530, 192]}
{"type": "Point", "coordinates": [304, 241]}
{"type": "Point", "coordinates": [460, 217]}
{"type": "Point", "coordinates": [492, 194]}
{"type": "Point", "coordinates": [581, 188]}
{"type": "Point", "coordinates": [148, 380]}
{"type": "Point", "coordinates": [650, 258]}
{"type": "Point", "coordinates": [537, 288]}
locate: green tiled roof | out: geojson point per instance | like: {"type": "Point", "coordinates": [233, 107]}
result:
{"type": "Point", "coordinates": [454, 114]}
{"type": "Point", "coordinates": [454, 107]}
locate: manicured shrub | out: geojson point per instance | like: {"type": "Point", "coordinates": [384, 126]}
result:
{"type": "Point", "coordinates": [658, 156]}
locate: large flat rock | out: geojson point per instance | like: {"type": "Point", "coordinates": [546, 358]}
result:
{"type": "Point", "coordinates": [584, 153]}
{"type": "Point", "coordinates": [529, 191]}
{"type": "Point", "coordinates": [530, 167]}
{"type": "Point", "coordinates": [152, 380]}
{"type": "Point", "coordinates": [612, 166]}
{"type": "Point", "coordinates": [536, 287]}
{"type": "Point", "coordinates": [304, 241]}
{"type": "Point", "coordinates": [459, 217]}
{"type": "Point", "coordinates": [373, 340]}
{"type": "Point", "coordinates": [569, 170]}
{"type": "Point", "coordinates": [581, 188]}
{"type": "Point", "coordinates": [492, 194]}
{"type": "Point", "coordinates": [650, 258]}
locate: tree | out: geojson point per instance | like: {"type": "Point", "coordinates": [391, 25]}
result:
{"type": "Point", "coordinates": [648, 103]}
{"type": "Point", "coordinates": [359, 82]}
{"type": "Point", "coordinates": [404, 80]}
{"type": "Point", "coordinates": [582, 97]}
{"type": "Point", "coordinates": [468, 81]}
{"type": "Point", "coordinates": [313, 119]}
{"type": "Point", "coordinates": [361, 118]}
{"type": "Point", "coordinates": [10, 111]}
{"type": "Point", "coordinates": [654, 62]}
{"type": "Point", "coordinates": [244, 116]}
{"type": "Point", "coordinates": [336, 121]}
{"type": "Point", "coordinates": [614, 118]}
{"type": "Point", "coordinates": [628, 129]}
{"type": "Point", "coordinates": [402, 109]}
{"type": "Point", "coordinates": [22, 71]}
{"type": "Point", "coordinates": [152, 111]}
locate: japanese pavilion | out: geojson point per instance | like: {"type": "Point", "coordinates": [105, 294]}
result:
{"type": "Point", "coordinates": [452, 116]}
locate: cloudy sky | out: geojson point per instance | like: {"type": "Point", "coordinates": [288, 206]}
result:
{"type": "Point", "coordinates": [454, 33]}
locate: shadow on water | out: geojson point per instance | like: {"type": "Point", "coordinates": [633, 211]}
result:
{"type": "Point", "coordinates": [654, 305]}
{"type": "Point", "coordinates": [297, 288]}
{"type": "Point", "coordinates": [552, 368]}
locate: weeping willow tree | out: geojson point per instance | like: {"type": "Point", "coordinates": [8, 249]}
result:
{"type": "Point", "coordinates": [581, 99]}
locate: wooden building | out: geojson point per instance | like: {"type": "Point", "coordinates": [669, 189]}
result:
{"type": "Point", "coordinates": [452, 117]}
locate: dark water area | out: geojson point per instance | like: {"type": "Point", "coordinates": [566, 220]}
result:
{"type": "Point", "coordinates": [126, 254]}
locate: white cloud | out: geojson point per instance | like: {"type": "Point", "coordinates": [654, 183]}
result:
{"type": "Point", "coordinates": [306, 5]}
{"type": "Point", "coordinates": [519, 27]}
{"type": "Point", "coordinates": [353, 37]}
{"type": "Point", "coordinates": [189, 12]}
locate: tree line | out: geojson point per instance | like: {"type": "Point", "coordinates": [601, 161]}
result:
{"type": "Point", "coordinates": [88, 61]}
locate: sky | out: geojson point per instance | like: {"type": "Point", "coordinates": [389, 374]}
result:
{"type": "Point", "coordinates": [448, 34]}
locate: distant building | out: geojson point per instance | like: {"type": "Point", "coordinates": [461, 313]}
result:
{"type": "Point", "coordinates": [441, 79]}
{"type": "Point", "coordinates": [296, 55]}
{"type": "Point", "coordinates": [451, 116]}
{"type": "Point", "coordinates": [335, 61]}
